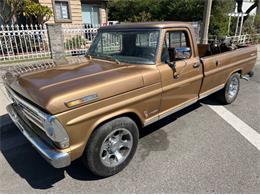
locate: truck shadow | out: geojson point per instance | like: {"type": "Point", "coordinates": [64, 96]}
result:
{"type": "Point", "coordinates": [154, 138]}
{"type": "Point", "coordinates": [29, 165]}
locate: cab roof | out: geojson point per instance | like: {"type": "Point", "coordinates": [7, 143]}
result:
{"type": "Point", "coordinates": [146, 25]}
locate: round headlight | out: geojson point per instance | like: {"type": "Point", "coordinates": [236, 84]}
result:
{"type": "Point", "coordinates": [56, 132]}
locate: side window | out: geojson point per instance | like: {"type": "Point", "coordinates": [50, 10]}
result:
{"type": "Point", "coordinates": [178, 39]}
{"type": "Point", "coordinates": [147, 39]}
{"type": "Point", "coordinates": [176, 47]}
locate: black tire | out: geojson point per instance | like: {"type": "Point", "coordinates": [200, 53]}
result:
{"type": "Point", "coordinates": [91, 157]}
{"type": "Point", "coordinates": [251, 74]}
{"type": "Point", "coordinates": [223, 95]}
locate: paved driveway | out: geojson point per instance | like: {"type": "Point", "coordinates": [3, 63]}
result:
{"type": "Point", "coordinates": [196, 150]}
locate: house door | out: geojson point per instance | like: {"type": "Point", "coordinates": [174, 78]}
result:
{"type": "Point", "coordinates": [90, 15]}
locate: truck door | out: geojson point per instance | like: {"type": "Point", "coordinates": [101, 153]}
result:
{"type": "Point", "coordinates": [181, 71]}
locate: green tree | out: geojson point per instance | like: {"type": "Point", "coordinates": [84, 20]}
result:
{"type": "Point", "coordinates": [169, 10]}
{"type": "Point", "coordinates": [9, 9]}
{"type": "Point", "coordinates": [184, 10]}
{"type": "Point", "coordinates": [134, 10]}
{"type": "Point", "coordinates": [219, 16]}
{"type": "Point", "coordinates": [249, 25]}
{"type": "Point", "coordinates": [36, 11]}
{"type": "Point", "coordinates": [257, 23]}
{"type": "Point", "coordinates": [155, 10]}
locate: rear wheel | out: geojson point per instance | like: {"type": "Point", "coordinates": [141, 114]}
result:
{"type": "Point", "coordinates": [111, 147]}
{"type": "Point", "coordinates": [231, 89]}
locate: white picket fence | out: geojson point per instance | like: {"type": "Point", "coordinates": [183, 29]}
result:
{"type": "Point", "coordinates": [78, 37]}
{"type": "Point", "coordinates": [23, 42]}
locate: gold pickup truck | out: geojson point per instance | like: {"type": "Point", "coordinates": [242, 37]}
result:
{"type": "Point", "coordinates": [134, 75]}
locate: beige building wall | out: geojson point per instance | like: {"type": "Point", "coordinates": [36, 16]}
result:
{"type": "Point", "coordinates": [103, 15]}
{"type": "Point", "coordinates": [75, 8]}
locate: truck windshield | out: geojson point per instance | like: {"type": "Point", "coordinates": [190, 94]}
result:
{"type": "Point", "coordinates": [136, 47]}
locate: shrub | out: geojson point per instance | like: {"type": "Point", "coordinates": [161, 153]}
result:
{"type": "Point", "coordinates": [76, 42]}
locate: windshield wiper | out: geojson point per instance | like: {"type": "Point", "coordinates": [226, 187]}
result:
{"type": "Point", "coordinates": [117, 61]}
{"type": "Point", "coordinates": [89, 57]}
{"type": "Point", "coordinates": [105, 57]}
{"type": "Point", "coordinates": [114, 59]}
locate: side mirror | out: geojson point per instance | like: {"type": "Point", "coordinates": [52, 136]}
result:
{"type": "Point", "coordinates": [182, 53]}
{"type": "Point", "coordinates": [172, 65]}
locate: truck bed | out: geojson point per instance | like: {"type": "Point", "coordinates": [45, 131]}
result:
{"type": "Point", "coordinates": [218, 67]}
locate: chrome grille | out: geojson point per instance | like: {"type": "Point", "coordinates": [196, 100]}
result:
{"type": "Point", "coordinates": [32, 116]}
{"type": "Point", "coordinates": [29, 111]}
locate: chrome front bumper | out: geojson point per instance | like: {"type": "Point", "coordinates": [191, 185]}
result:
{"type": "Point", "coordinates": [56, 158]}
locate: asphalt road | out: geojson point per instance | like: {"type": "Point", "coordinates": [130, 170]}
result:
{"type": "Point", "coordinates": [192, 151]}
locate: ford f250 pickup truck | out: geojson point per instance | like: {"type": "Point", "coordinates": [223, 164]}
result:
{"type": "Point", "coordinates": [134, 75]}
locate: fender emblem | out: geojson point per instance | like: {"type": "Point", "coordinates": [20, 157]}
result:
{"type": "Point", "coordinates": [83, 100]}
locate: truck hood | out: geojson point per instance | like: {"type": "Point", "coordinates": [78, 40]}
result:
{"type": "Point", "coordinates": [52, 88]}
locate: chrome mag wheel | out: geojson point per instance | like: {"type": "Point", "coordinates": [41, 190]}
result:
{"type": "Point", "coordinates": [233, 87]}
{"type": "Point", "coordinates": [116, 147]}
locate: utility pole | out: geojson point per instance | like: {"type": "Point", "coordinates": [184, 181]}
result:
{"type": "Point", "coordinates": [206, 20]}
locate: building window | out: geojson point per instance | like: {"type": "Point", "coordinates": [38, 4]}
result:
{"type": "Point", "coordinates": [90, 14]}
{"type": "Point", "coordinates": [62, 10]}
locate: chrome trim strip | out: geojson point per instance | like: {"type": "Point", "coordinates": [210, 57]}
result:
{"type": "Point", "coordinates": [173, 110]}
{"type": "Point", "coordinates": [56, 158]}
{"type": "Point", "coordinates": [169, 112]}
{"type": "Point", "coordinates": [211, 91]}
{"type": "Point", "coordinates": [151, 121]}
{"type": "Point", "coordinates": [178, 108]}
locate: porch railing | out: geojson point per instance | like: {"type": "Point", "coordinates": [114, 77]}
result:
{"type": "Point", "coordinates": [23, 42]}
{"type": "Point", "coordinates": [244, 39]}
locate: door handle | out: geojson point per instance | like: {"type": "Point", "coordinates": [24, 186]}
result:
{"type": "Point", "coordinates": [196, 65]}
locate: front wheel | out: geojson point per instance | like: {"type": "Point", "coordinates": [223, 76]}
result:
{"type": "Point", "coordinates": [231, 89]}
{"type": "Point", "coordinates": [111, 147]}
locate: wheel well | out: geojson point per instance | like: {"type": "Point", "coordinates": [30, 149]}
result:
{"type": "Point", "coordinates": [135, 118]}
{"type": "Point", "coordinates": [239, 71]}
{"type": "Point", "coordinates": [131, 115]}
